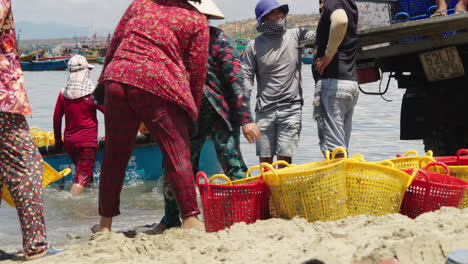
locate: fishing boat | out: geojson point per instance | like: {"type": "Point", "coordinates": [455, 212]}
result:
{"type": "Point", "coordinates": [101, 60]}
{"type": "Point", "coordinates": [53, 58]}
{"type": "Point", "coordinates": [307, 58]}
{"type": "Point", "coordinates": [32, 56]}
{"type": "Point", "coordinates": [47, 65]}
{"type": "Point", "coordinates": [144, 164]}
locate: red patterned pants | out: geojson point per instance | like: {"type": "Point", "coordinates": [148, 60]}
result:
{"type": "Point", "coordinates": [21, 171]}
{"type": "Point", "coordinates": [84, 159]}
{"type": "Point", "coordinates": [126, 106]}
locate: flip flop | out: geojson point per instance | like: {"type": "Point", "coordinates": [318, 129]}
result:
{"type": "Point", "coordinates": [439, 13]}
{"type": "Point", "coordinates": [460, 11]}
{"type": "Point", "coordinates": [6, 256]}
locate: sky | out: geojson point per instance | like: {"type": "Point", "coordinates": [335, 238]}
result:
{"type": "Point", "coordinates": [103, 15]}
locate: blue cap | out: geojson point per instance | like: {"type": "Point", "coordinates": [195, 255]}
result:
{"type": "Point", "coordinates": [264, 7]}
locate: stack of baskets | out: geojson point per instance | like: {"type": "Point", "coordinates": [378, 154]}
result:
{"type": "Point", "coordinates": [333, 189]}
{"type": "Point", "coordinates": [42, 138]}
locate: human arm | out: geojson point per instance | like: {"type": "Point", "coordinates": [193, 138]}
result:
{"type": "Point", "coordinates": [196, 61]}
{"type": "Point", "coordinates": [249, 67]}
{"type": "Point", "coordinates": [58, 115]}
{"type": "Point", "coordinates": [338, 26]}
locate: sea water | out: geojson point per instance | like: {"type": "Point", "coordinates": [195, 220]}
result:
{"type": "Point", "coordinates": [375, 135]}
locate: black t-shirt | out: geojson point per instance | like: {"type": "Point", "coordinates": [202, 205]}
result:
{"type": "Point", "coordinates": [343, 65]}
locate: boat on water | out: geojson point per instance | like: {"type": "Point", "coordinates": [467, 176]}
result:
{"type": "Point", "coordinates": [46, 65]}
{"type": "Point", "coordinates": [145, 163]}
{"type": "Point", "coordinates": [307, 58]}
{"type": "Point", "coordinates": [101, 60]}
{"type": "Point", "coordinates": [53, 58]}
{"type": "Point", "coordinates": [32, 56]}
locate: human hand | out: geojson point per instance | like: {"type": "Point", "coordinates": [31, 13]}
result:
{"type": "Point", "coordinates": [322, 63]}
{"type": "Point", "coordinates": [251, 132]}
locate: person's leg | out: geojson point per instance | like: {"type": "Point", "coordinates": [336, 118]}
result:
{"type": "Point", "coordinates": [461, 6]}
{"type": "Point", "coordinates": [121, 125]}
{"type": "Point", "coordinates": [85, 157]}
{"type": "Point", "coordinates": [350, 88]}
{"type": "Point", "coordinates": [227, 145]}
{"type": "Point", "coordinates": [288, 132]}
{"type": "Point", "coordinates": [441, 8]}
{"type": "Point", "coordinates": [169, 127]}
{"type": "Point", "coordinates": [266, 146]}
{"type": "Point", "coordinates": [22, 166]}
{"type": "Point", "coordinates": [330, 108]}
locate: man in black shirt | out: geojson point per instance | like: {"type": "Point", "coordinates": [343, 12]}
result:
{"type": "Point", "coordinates": [336, 90]}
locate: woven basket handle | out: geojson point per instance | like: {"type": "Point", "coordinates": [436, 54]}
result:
{"type": "Point", "coordinates": [281, 162]}
{"type": "Point", "coordinates": [201, 174]}
{"type": "Point", "coordinates": [358, 157]}
{"type": "Point", "coordinates": [220, 176]}
{"type": "Point", "coordinates": [430, 153]}
{"type": "Point", "coordinates": [264, 165]}
{"type": "Point", "coordinates": [339, 149]}
{"type": "Point", "coordinates": [65, 172]}
{"type": "Point", "coordinates": [433, 164]}
{"type": "Point", "coordinates": [407, 154]}
{"type": "Point", "coordinates": [460, 153]}
{"type": "Point", "coordinates": [387, 163]}
{"type": "Point", "coordinates": [412, 176]}
{"type": "Point", "coordinates": [249, 171]}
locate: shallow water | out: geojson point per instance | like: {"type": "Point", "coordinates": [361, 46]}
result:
{"type": "Point", "coordinates": [375, 135]}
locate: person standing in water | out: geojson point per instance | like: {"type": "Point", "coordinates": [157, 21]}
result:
{"type": "Point", "coordinates": [275, 61]}
{"type": "Point", "coordinates": [81, 125]}
{"type": "Point", "coordinates": [224, 110]}
{"type": "Point", "coordinates": [154, 72]}
{"type": "Point", "coordinates": [21, 164]}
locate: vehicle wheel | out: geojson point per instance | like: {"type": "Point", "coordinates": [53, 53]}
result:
{"type": "Point", "coordinates": [446, 140]}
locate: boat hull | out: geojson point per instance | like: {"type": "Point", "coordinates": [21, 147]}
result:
{"type": "Point", "coordinates": [49, 65]}
{"type": "Point", "coordinates": [307, 59]}
{"type": "Point", "coordinates": [145, 164]}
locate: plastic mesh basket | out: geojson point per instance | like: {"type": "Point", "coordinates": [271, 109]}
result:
{"type": "Point", "coordinates": [374, 189]}
{"type": "Point", "coordinates": [243, 200]}
{"type": "Point", "coordinates": [49, 175]}
{"type": "Point", "coordinates": [408, 161]}
{"type": "Point", "coordinates": [429, 191]}
{"type": "Point", "coordinates": [315, 191]}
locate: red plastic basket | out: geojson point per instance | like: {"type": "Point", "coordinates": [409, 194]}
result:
{"type": "Point", "coordinates": [430, 191]}
{"type": "Point", "coordinates": [243, 200]}
{"type": "Point", "coordinates": [458, 160]}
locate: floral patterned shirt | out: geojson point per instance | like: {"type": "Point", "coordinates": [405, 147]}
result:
{"type": "Point", "coordinates": [13, 97]}
{"type": "Point", "coordinates": [224, 85]}
{"type": "Point", "coordinates": [161, 46]}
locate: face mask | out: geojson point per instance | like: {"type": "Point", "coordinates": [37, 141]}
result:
{"type": "Point", "coordinates": [269, 27]}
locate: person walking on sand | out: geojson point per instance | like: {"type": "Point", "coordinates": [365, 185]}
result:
{"type": "Point", "coordinates": [336, 91]}
{"type": "Point", "coordinates": [275, 61]}
{"type": "Point", "coordinates": [225, 108]}
{"type": "Point", "coordinates": [81, 125]}
{"type": "Point", "coordinates": [154, 72]}
{"type": "Point", "coordinates": [20, 161]}
{"type": "Point", "coordinates": [442, 8]}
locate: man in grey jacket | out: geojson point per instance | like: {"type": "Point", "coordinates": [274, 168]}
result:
{"type": "Point", "coordinates": [275, 61]}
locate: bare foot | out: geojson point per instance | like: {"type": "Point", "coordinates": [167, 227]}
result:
{"type": "Point", "coordinates": [105, 224]}
{"type": "Point", "coordinates": [76, 189]}
{"type": "Point", "coordinates": [191, 222]}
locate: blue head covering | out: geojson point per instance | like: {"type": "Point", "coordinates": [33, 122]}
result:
{"type": "Point", "coordinates": [264, 7]}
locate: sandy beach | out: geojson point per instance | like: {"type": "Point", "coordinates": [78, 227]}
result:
{"type": "Point", "coordinates": [426, 239]}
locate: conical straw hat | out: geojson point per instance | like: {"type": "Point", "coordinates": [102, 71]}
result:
{"type": "Point", "coordinates": [209, 8]}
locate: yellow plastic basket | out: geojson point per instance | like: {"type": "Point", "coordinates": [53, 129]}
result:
{"type": "Point", "coordinates": [409, 162]}
{"type": "Point", "coordinates": [49, 175]}
{"type": "Point", "coordinates": [374, 189]}
{"type": "Point", "coordinates": [315, 191]}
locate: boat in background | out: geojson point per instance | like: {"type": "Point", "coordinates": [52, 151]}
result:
{"type": "Point", "coordinates": [46, 65]}
{"type": "Point", "coordinates": [144, 164]}
{"type": "Point", "coordinates": [307, 58]}
{"type": "Point", "coordinates": [101, 60]}
{"type": "Point", "coordinates": [53, 58]}
{"type": "Point", "coordinates": [32, 56]}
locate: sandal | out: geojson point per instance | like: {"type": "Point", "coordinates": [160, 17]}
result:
{"type": "Point", "coordinates": [460, 11]}
{"type": "Point", "coordinates": [6, 256]}
{"type": "Point", "coordinates": [439, 13]}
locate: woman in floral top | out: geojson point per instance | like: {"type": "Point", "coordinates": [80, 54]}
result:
{"type": "Point", "coordinates": [154, 72]}
{"type": "Point", "coordinates": [20, 161]}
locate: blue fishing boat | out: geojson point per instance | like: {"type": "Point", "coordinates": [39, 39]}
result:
{"type": "Point", "coordinates": [46, 65]}
{"type": "Point", "coordinates": [144, 164]}
{"type": "Point", "coordinates": [307, 58]}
